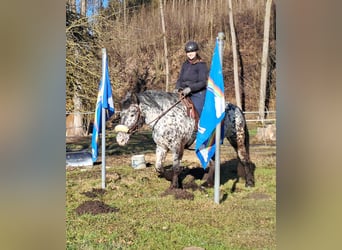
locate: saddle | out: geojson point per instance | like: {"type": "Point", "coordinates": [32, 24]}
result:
{"type": "Point", "coordinates": [190, 109]}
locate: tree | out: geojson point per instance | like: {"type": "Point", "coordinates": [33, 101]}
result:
{"type": "Point", "coordinates": [263, 78]}
{"type": "Point", "coordinates": [165, 46]}
{"type": "Point", "coordinates": [83, 7]}
{"type": "Point", "coordinates": [235, 57]}
{"type": "Point", "coordinates": [144, 53]}
{"type": "Point", "coordinates": [80, 47]}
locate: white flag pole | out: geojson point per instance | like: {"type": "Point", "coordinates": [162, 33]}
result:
{"type": "Point", "coordinates": [103, 174]}
{"type": "Point", "coordinates": [220, 38]}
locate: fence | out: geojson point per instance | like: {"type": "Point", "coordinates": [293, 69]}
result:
{"type": "Point", "coordinates": [253, 116]}
{"type": "Point", "coordinates": [88, 117]}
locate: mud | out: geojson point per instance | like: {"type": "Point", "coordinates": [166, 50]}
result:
{"type": "Point", "coordinates": [95, 207]}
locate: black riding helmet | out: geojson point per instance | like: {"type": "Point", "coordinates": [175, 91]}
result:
{"type": "Point", "coordinates": [191, 46]}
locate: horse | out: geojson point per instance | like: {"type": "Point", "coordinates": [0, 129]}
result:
{"type": "Point", "coordinates": [173, 129]}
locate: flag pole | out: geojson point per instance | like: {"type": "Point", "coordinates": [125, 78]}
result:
{"type": "Point", "coordinates": [103, 173]}
{"type": "Point", "coordinates": [220, 38]}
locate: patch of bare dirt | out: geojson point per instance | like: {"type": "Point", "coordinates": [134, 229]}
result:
{"type": "Point", "coordinates": [96, 192]}
{"type": "Point", "coordinates": [95, 207]}
{"type": "Point", "coordinates": [179, 194]}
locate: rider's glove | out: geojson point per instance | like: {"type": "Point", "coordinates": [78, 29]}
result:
{"type": "Point", "coordinates": [186, 91]}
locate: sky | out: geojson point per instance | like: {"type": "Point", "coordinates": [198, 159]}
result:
{"type": "Point", "coordinates": [90, 10]}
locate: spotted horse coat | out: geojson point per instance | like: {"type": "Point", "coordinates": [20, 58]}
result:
{"type": "Point", "coordinates": [173, 130]}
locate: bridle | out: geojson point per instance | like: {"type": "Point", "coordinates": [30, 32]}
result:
{"type": "Point", "coordinates": [135, 126]}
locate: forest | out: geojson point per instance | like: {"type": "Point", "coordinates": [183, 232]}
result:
{"type": "Point", "coordinates": [145, 39]}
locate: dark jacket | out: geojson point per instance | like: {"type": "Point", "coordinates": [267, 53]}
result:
{"type": "Point", "coordinates": [194, 76]}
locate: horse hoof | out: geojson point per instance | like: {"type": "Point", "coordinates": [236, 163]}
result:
{"type": "Point", "coordinates": [249, 184]}
{"type": "Point", "coordinates": [207, 185]}
{"type": "Point", "coordinates": [173, 187]}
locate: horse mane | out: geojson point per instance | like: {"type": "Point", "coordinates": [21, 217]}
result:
{"type": "Point", "coordinates": [157, 98]}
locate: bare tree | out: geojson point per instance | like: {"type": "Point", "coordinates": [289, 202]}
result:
{"type": "Point", "coordinates": [80, 47]}
{"type": "Point", "coordinates": [235, 57]}
{"type": "Point", "coordinates": [194, 13]}
{"type": "Point", "coordinates": [77, 128]}
{"type": "Point", "coordinates": [165, 46]}
{"type": "Point", "coordinates": [138, 54]}
{"type": "Point", "coordinates": [83, 7]}
{"type": "Point", "coordinates": [71, 4]}
{"type": "Point", "coordinates": [125, 15]}
{"type": "Point", "coordinates": [263, 78]}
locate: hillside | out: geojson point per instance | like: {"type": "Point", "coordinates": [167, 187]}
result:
{"type": "Point", "coordinates": [134, 43]}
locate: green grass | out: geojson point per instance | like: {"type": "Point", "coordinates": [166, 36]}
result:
{"type": "Point", "coordinates": [245, 219]}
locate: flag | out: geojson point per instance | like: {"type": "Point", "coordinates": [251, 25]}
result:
{"type": "Point", "coordinates": [104, 100]}
{"type": "Point", "coordinates": [213, 111]}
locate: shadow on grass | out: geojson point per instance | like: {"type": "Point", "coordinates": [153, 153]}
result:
{"type": "Point", "coordinates": [229, 170]}
{"type": "Point", "coordinates": [141, 142]}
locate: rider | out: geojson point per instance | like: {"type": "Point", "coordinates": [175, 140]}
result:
{"type": "Point", "coordinates": [193, 76]}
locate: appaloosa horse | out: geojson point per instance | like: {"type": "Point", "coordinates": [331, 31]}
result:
{"type": "Point", "coordinates": [172, 129]}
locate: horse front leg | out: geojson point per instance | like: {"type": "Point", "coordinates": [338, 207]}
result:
{"type": "Point", "coordinates": [160, 158]}
{"type": "Point", "coordinates": [177, 169]}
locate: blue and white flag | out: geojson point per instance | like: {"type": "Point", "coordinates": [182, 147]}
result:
{"type": "Point", "coordinates": [104, 100]}
{"type": "Point", "coordinates": [213, 111]}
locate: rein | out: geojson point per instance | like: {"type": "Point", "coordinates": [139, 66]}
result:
{"type": "Point", "coordinates": [135, 127]}
{"type": "Point", "coordinates": [162, 114]}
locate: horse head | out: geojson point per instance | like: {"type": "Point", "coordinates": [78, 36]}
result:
{"type": "Point", "coordinates": [131, 119]}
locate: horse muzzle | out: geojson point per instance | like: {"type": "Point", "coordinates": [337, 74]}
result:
{"type": "Point", "coordinates": [122, 138]}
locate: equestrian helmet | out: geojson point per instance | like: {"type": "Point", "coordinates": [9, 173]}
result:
{"type": "Point", "coordinates": [191, 46]}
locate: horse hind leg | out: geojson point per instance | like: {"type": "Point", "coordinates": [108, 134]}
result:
{"type": "Point", "coordinates": [243, 155]}
{"type": "Point", "coordinates": [209, 180]}
{"type": "Point", "coordinates": [241, 146]}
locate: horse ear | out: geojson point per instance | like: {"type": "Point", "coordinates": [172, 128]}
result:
{"type": "Point", "coordinates": [130, 98]}
{"type": "Point", "coordinates": [135, 98]}
{"type": "Point", "coordinates": [126, 101]}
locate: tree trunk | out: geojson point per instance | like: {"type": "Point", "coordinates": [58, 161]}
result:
{"type": "Point", "coordinates": [263, 77]}
{"type": "Point", "coordinates": [194, 13]}
{"type": "Point", "coordinates": [124, 11]}
{"type": "Point", "coordinates": [72, 5]}
{"type": "Point", "coordinates": [165, 46]}
{"type": "Point", "coordinates": [84, 7]}
{"type": "Point", "coordinates": [77, 124]}
{"type": "Point", "coordinates": [235, 57]}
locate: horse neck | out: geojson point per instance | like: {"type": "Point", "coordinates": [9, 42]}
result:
{"type": "Point", "coordinates": [153, 104]}
{"type": "Point", "coordinates": [150, 113]}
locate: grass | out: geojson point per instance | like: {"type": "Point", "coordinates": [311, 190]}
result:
{"type": "Point", "coordinates": [244, 219]}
